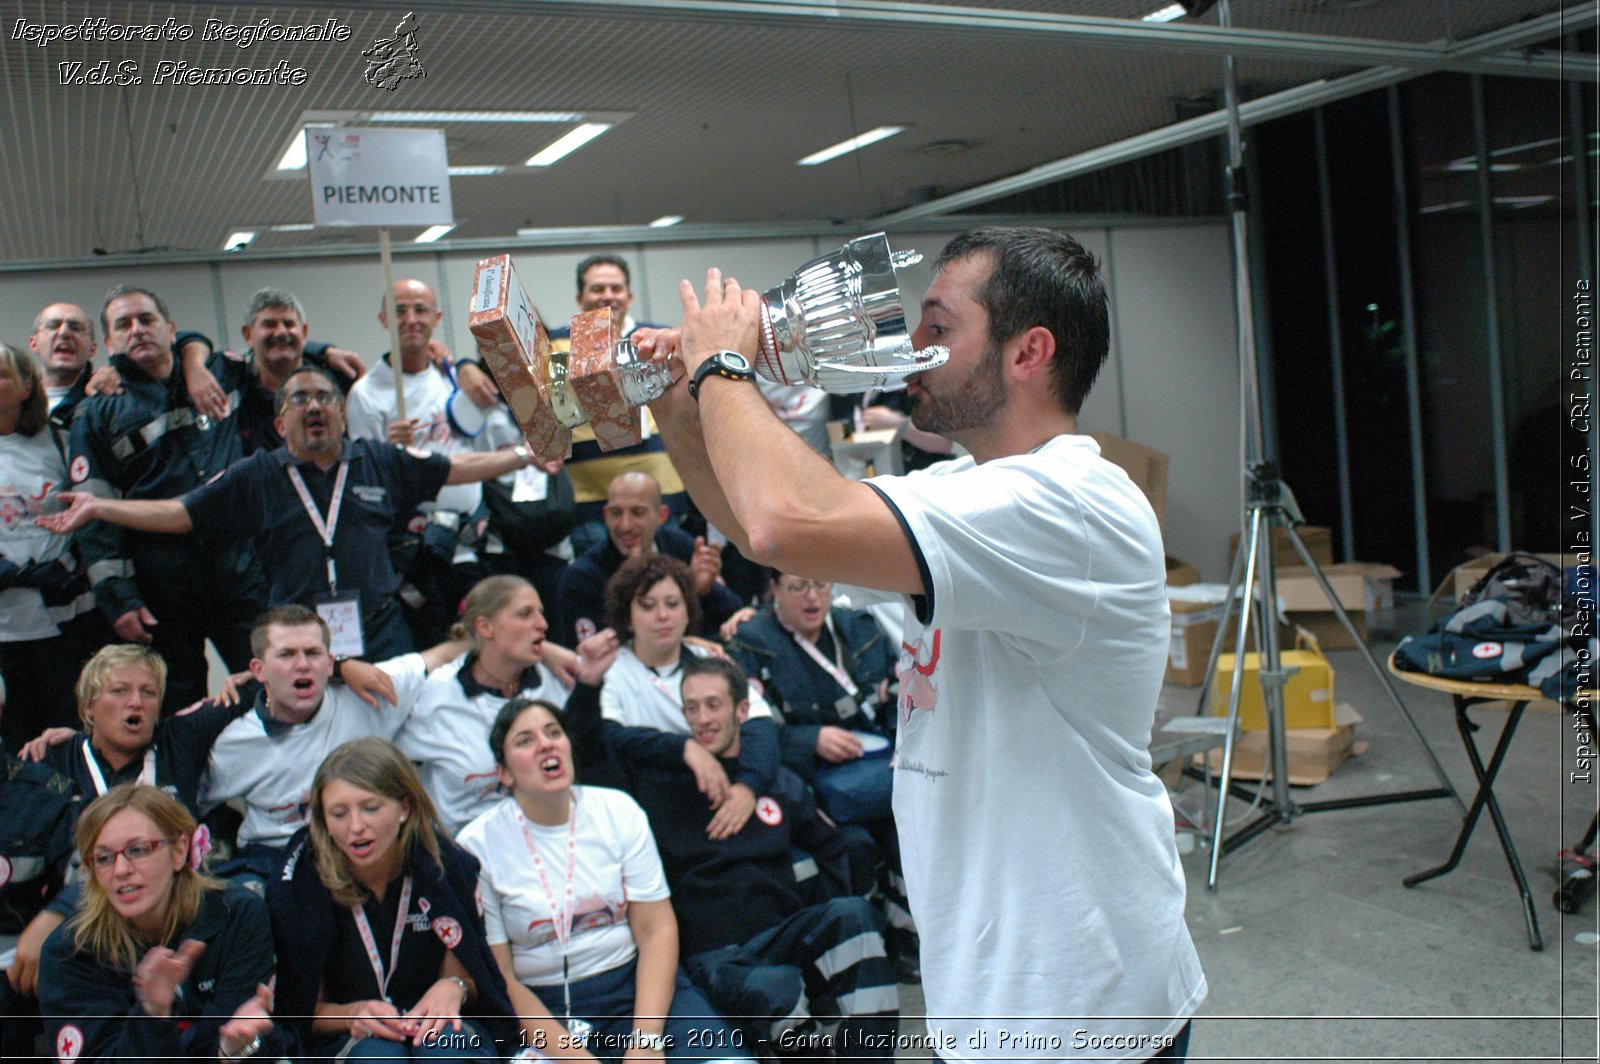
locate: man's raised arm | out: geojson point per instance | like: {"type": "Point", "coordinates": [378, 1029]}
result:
{"type": "Point", "coordinates": [141, 515]}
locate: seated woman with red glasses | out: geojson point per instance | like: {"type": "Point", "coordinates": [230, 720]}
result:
{"type": "Point", "coordinates": [159, 961]}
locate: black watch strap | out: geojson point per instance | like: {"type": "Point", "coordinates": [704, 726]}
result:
{"type": "Point", "coordinates": [730, 365]}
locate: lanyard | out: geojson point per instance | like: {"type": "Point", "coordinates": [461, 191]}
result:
{"type": "Point", "coordinates": [560, 919]}
{"type": "Point", "coordinates": [325, 528]}
{"type": "Point", "coordinates": [674, 694]}
{"type": "Point", "coordinates": [836, 668]}
{"type": "Point", "coordinates": [367, 940]}
{"type": "Point", "coordinates": [147, 774]}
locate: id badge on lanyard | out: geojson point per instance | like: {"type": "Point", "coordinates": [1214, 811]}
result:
{"type": "Point", "coordinates": [341, 613]}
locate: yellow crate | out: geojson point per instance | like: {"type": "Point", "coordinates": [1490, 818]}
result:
{"type": "Point", "coordinates": [1307, 693]}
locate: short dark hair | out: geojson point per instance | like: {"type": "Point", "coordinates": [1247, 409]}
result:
{"type": "Point", "coordinates": [1042, 277]}
{"type": "Point", "coordinates": [636, 576]}
{"type": "Point", "coordinates": [286, 616]}
{"type": "Point", "coordinates": [604, 260]}
{"type": "Point", "coordinates": [282, 395]}
{"type": "Point", "coordinates": [738, 685]}
{"type": "Point", "coordinates": [118, 291]}
{"type": "Point", "coordinates": [503, 720]}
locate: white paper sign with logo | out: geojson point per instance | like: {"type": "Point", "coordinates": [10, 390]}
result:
{"type": "Point", "coordinates": [379, 177]}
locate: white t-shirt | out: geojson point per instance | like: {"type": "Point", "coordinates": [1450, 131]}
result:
{"type": "Point", "coordinates": [448, 736]}
{"type": "Point", "coordinates": [371, 406]}
{"type": "Point", "coordinates": [32, 473]}
{"type": "Point", "coordinates": [637, 696]}
{"type": "Point", "coordinates": [271, 766]}
{"type": "Point", "coordinates": [1037, 843]}
{"type": "Point", "coordinates": [615, 862]}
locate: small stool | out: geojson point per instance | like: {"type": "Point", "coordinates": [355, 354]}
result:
{"type": "Point", "coordinates": [1467, 694]}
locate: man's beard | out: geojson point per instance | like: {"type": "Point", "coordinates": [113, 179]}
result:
{"type": "Point", "coordinates": [970, 404]}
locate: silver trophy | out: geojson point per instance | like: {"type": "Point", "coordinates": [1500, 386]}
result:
{"type": "Point", "coordinates": [836, 323]}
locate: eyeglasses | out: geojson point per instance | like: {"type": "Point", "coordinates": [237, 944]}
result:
{"type": "Point", "coordinates": [800, 587]}
{"type": "Point", "coordinates": [138, 850]}
{"type": "Point", "coordinates": [322, 399]}
{"type": "Point", "coordinates": [73, 325]}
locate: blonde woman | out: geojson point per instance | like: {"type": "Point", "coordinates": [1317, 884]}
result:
{"type": "Point", "coordinates": [381, 951]}
{"type": "Point", "coordinates": [159, 961]}
{"type": "Point", "coordinates": [504, 625]}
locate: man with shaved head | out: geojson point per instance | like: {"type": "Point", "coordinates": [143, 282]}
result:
{"type": "Point", "coordinates": [636, 524]}
{"type": "Point", "coordinates": [63, 340]}
{"type": "Point", "coordinates": [434, 547]}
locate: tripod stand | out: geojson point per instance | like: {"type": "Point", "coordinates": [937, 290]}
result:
{"type": "Point", "coordinates": [1270, 505]}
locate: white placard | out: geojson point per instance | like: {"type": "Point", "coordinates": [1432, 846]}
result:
{"type": "Point", "coordinates": [379, 177]}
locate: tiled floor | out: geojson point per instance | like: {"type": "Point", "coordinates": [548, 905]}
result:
{"type": "Point", "coordinates": [1311, 920]}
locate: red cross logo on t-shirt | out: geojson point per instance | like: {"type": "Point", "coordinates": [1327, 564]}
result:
{"type": "Point", "coordinates": [769, 812]}
{"type": "Point", "coordinates": [69, 1043]}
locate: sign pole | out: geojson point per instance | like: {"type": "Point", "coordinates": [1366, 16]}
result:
{"type": "Point", "coordinates": [395, 362]}
{"type": "Point", "coordinates": [380, 178]}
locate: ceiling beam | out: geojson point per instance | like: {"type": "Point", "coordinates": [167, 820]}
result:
{"type": "Point", "coordinates": [1112, 32]}
{"type": "Point", "coordinates": [1277, 105]}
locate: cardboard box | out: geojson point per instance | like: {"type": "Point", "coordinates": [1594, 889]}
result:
{"type": "Point", "coordinates": [1314, 753]}
{"type": "Point", "coordinates": [1358, 586]}
{"type": "Point", "coordinates": [1467, 574]}
{"type": "Point", "coordinates": [1307, 691]}
{"type": "Point", "coordinates": [1194, 628]}
{"type": "Point", "coordinates": [1180, 573]}
{"type": "Point", "coordinates": [1145, 466]}
{"type": "Point", "coordinates": [1318, 541]}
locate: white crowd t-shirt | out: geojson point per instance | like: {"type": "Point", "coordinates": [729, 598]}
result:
{"type": "Point", "coordinates": [616, 863]}
{"type": "Point", "coordinates": [271, 767]}
{"type": "Point", "coordinates": [637, 696]}
{"type": "Point", "coordinates": [447, 735]}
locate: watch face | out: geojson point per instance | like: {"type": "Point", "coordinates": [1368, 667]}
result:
{"type": "Point", "coordinates": [736, 362]}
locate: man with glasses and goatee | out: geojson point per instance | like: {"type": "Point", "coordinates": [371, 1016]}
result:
{"type": "Point", "coordinates": [319, 511]}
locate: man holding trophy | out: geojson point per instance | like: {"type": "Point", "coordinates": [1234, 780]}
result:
{"type": "Point", "coordinates": [1037, 843]}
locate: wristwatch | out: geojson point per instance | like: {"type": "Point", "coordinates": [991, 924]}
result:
{"type": "Point", "coordinates": [656, 1043]}
{"type": "Point", "coordinates": [730, 365]}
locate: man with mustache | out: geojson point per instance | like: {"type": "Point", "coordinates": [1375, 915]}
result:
{"type": "Point", "coordinates": [319, 509]}
{"type": "Point", "coordinates": [276, 333]}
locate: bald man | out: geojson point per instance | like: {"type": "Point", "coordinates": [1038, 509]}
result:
{"type": "Point", "coordinates": [636, 524]}
{"type": "Point", "coordinates": [433, 547]}
{"type": "Point", "coordinates": [63, 340]}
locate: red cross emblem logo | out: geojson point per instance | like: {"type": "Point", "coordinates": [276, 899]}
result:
{"type": "Point", "coordinates": [69, 1043]}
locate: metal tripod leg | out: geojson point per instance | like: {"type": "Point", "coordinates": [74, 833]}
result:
{"type": "Point", "coordinates": [1249, 551]}
{"type": "Point", "coordinates": [1444, 789]}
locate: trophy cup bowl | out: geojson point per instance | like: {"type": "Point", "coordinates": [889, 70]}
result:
{"type": "Point", "coordinates": [836, 323]}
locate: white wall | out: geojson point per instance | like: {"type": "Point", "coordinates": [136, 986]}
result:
{"type": "Point", "coordinates": [1170, 382]}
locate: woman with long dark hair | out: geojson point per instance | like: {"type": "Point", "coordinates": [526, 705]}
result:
{"type": "Point", "coordinates": [577, 909]}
